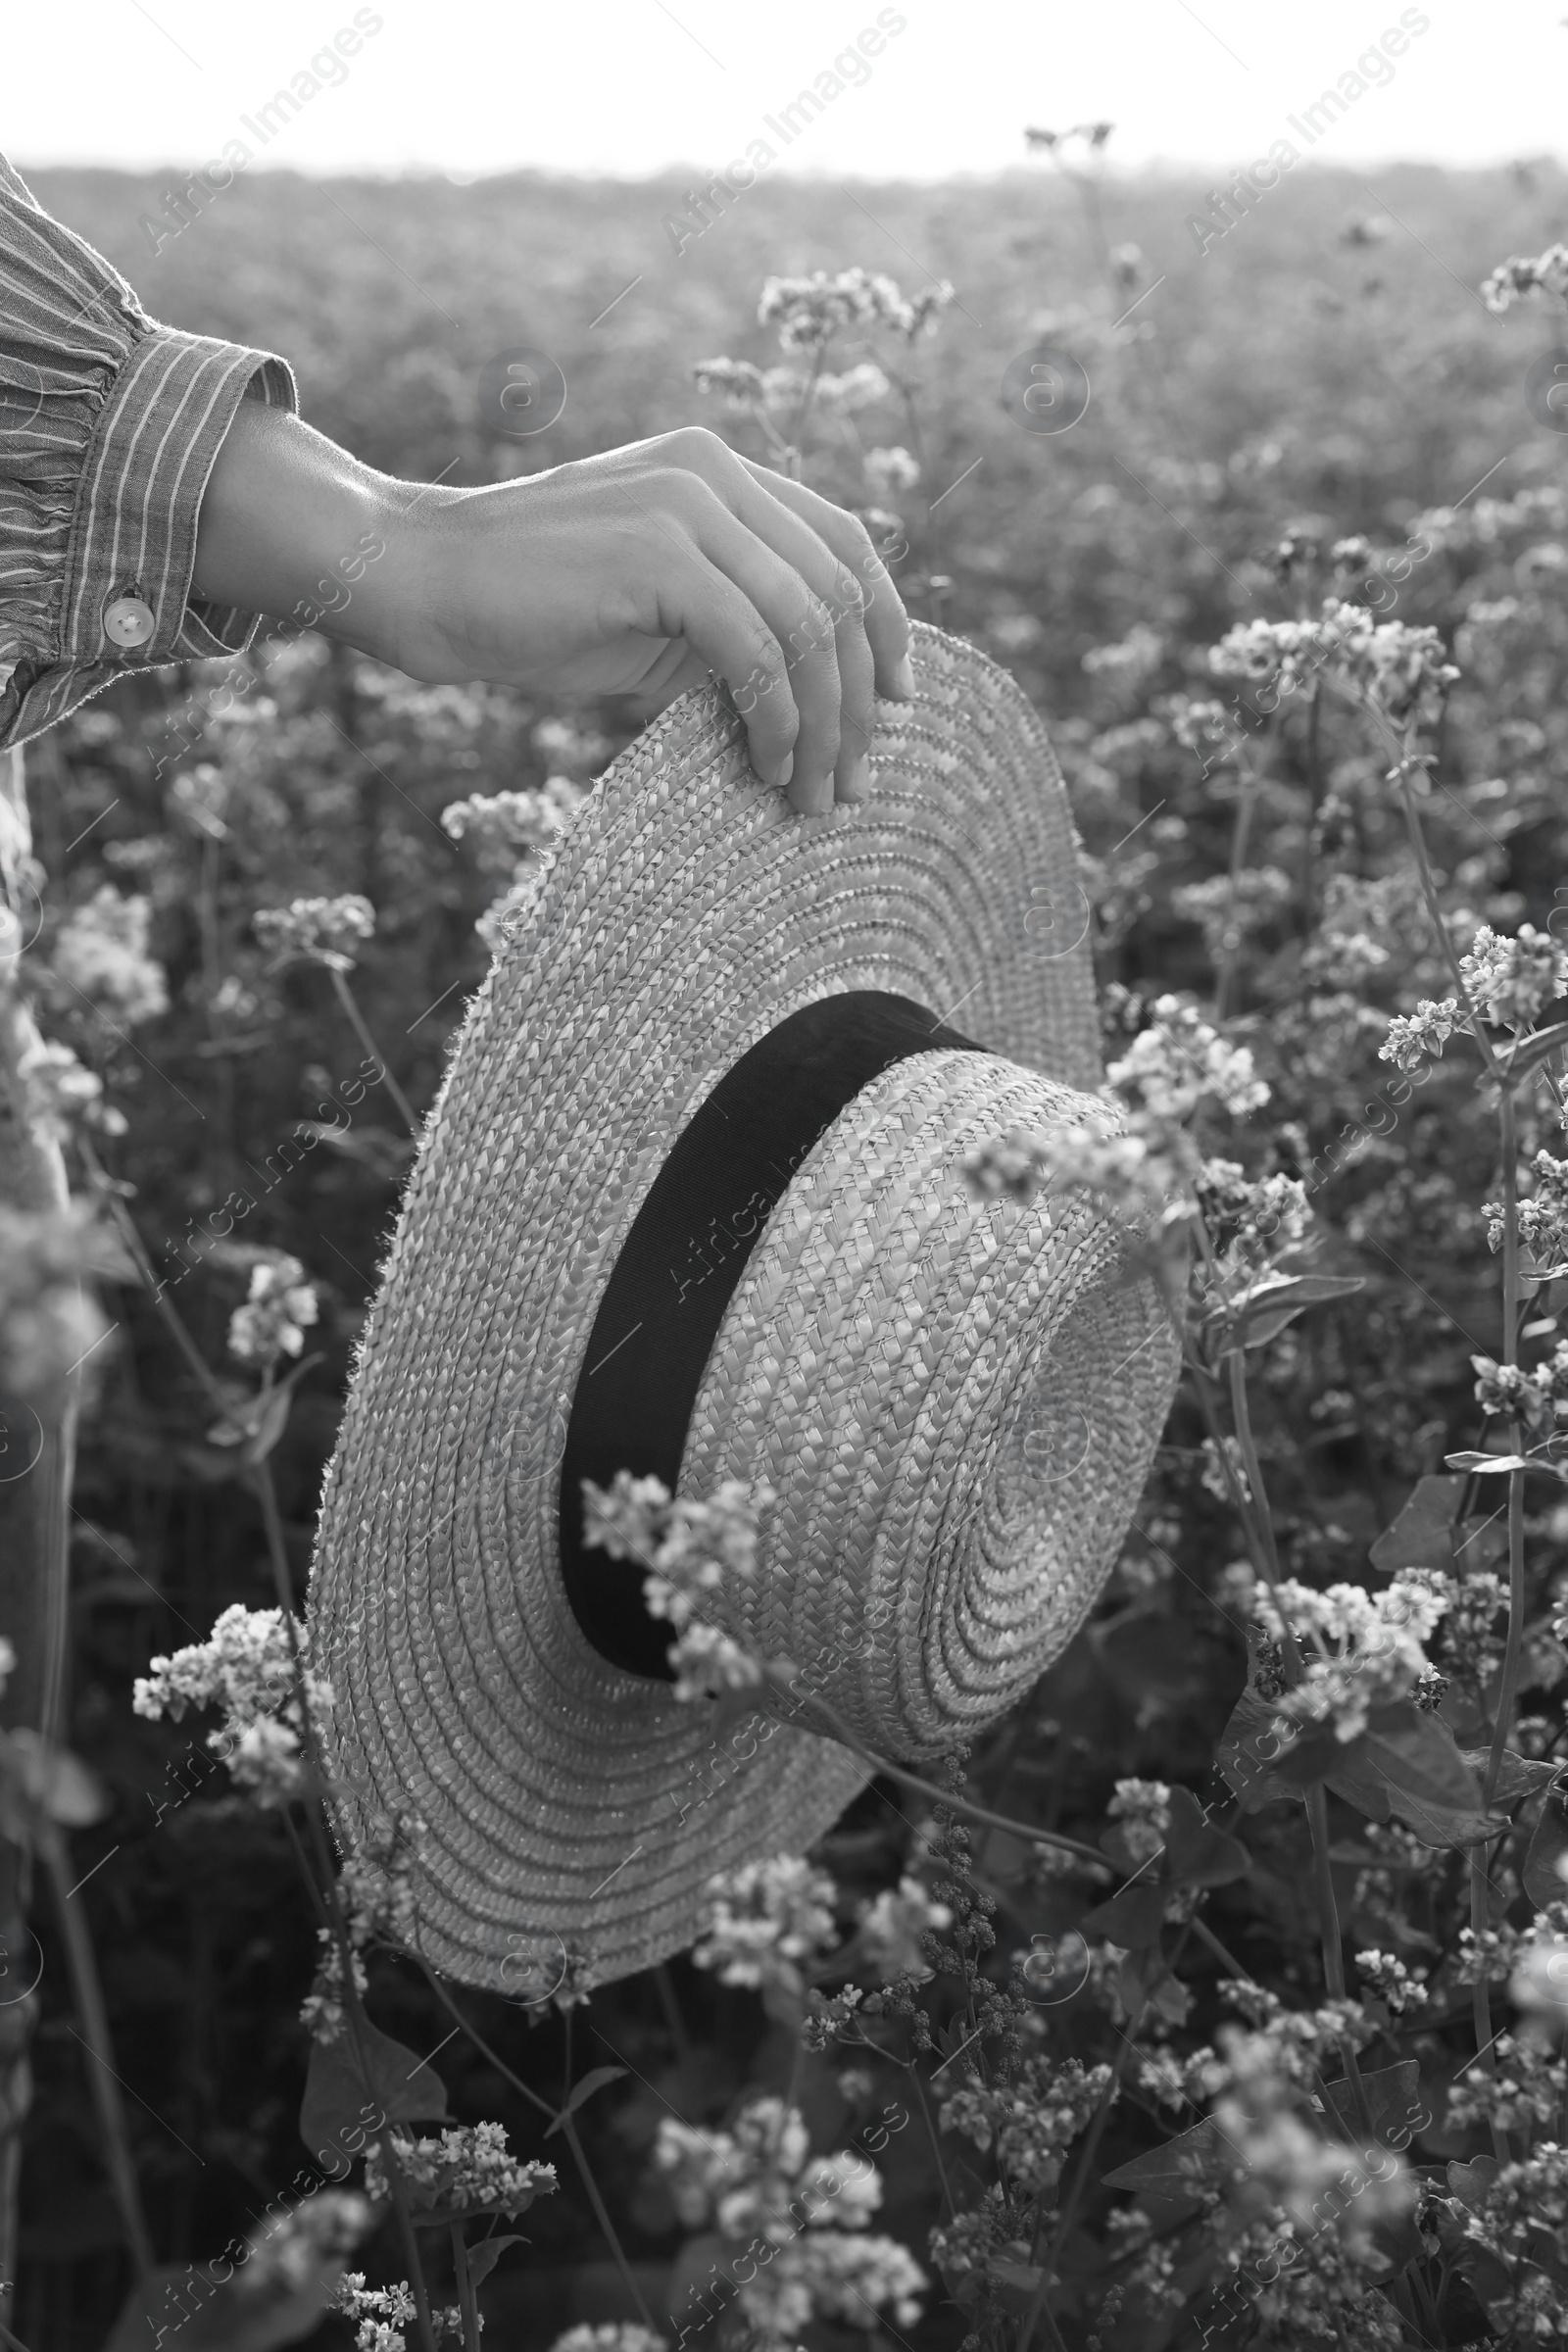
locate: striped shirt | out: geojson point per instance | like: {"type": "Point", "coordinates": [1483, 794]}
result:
{"type": "Point", "coordinates": [109, 427]}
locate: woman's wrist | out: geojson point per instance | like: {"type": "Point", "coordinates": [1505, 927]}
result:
{"type": "Point", "coordinates": [293, 526]}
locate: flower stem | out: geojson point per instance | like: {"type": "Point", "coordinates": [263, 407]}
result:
{"type": "Point", "coordinates": [350, 1003]}
{"type": "Point", "coordinates": [467, 2301]}
{"type": "Point", "coordinates": [353, 2007]}
{"type": "Point", "coordinates": [1327, 1912]}
{"type": "Point", "coordinates": [87, 1995]}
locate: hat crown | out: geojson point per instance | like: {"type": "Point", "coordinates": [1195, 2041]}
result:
{"type": "Point", "coordinates": [935, 1387]}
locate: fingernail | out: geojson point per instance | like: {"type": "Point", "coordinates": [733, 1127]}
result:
{"type": "Point", "coordinates": [782, 775]}
{"type": "Point", "coordinates": [857, 783]}
{"type": "Point", "coordinates": [904, 681]}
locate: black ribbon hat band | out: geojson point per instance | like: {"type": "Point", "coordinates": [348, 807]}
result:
{"type": "Point", "coordinates": [678, 1268]}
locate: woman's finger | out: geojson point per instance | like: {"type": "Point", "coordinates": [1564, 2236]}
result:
{"type": "Point", "coordinates": [886, 622]}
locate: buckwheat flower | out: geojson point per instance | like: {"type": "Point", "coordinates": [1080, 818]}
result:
{"type": "Point", "coordinates": [504, 826]}
{"type": "Point", "coordinates": [852, 2278]}
{"type": "Point", "coordinates": [1538, 273]}
{"type": "Point", "coordinates": [326, 931]}
{"type": "Point", "coordinates": [379, 2314]}
{"type": "Point", "coordinates": [740, 382]}
{"type": "Point", "coordinates": [1528, 2088]}
{"type": "Point", "coordinates": [612, 2335]}
{"type": "Point", "coordinates": [763, 1919]}
{"type": "Point", "coordinates": [288, 2255]}
{"type": "Point", "coordinates": [63, 1095]}
{"type": "Point", "coordinates": [1542, 1216]}
{"type": "Point", "coordinates": [922, 314]}
{"type": "Point", "coordinates": [275, 1319]}
{"type": "Point", "coordinates": [1512, 979]}
{"type": "Point", "coordinates": [267, 1763]}
{"type": "Point", "coordinates": [1251, 1215]}
{"type": "Point", "coordinates": [245, 1666]}
{"type": "Point", "coordinates": [1427, 1030]}
{"type": "Point", "coordinates": [1181, 1061]}
{"type": "Point", "coordinates": [1137, 1184]}
{"type": "Point", "coordinates": [49, 1319]}
{"type": "Point", "coordinates": [891, 470]}
{"type": "Point", "coordinates": [1379, 1654]}
{"type": "Point", "coordinates": [859, 388]}
{"type": "Point", "coordinates": [1228, 907]}
{"type": "Point", "coordinates": [1540, 1979]}
{"type": "Point", "coordinates": [470, 2169]}
{"type": "Point", "coordinates": [1130, 660]}
{"type": "Point", "coordinates": [1508, 1388]}
{"type": "Point", "coordinates": [708, 1661]}
{"type": "Point", "coordinates": [1032, 2122]}
{"type": "Point", "coordinates": [568, 745]}
{"type": "Point", "coordinates": [101, 953]}
{"type": "Point", "coordinates": [1391, 1982]}
{"type": "Point", "coordinates": [1352, 556]}
{"type": "Point", "coordinates": [892, 1928]}
{"type": "Point", "coordinates": [1142, 1807]}
{"type": "Point", "coordinates": [1212, 1478]}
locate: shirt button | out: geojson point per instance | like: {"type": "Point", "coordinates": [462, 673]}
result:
{"type": "Point", "coordinates": [129, 620]}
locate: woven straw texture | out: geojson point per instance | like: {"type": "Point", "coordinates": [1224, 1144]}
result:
{"type": "Point", "coordinates": [956, 1403]}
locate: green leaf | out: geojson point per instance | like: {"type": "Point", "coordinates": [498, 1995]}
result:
{"type": "Point", "coordinates": [583, 2091]}
{"type": "Point", "coordinates": [1423, 1533]}
{"type": "Point", "coordinates": [483, 2257]}
{"type": "Point", "coordinates": [54, 1781]}
{"type": "Point", "coordinates": [1249, 1767]}
{"type": "Point", "coordinates": [1393, 2096]}
{"type": "Point", "coordinates": [1544, 1877]}
{"type": "Point", "coordinates": [1197, 1855]}
{"type": "Point", "coordinates": [342, 2109]}
{"type": "Point", "coordinates": [255, 1428]}
{"type": "Point", "coordinates": [1485, 1465]}
{"type": "Point", "coordinates": [1131, 1918]}
{"type": "Point", "coordinates": [1427, 1781]}
{"type": "Point", "coordinates": [236, 2316]}
{"type": "Point", "coordinates": [1195, 2160]}
{"type": "Point", "coordinates": [1520, 1776]}
{"type": "Point", "coordinates": [1263, 1313]}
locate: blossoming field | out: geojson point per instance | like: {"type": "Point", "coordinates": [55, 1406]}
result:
{"type": "Point", "coordinates": [1218, 1997]}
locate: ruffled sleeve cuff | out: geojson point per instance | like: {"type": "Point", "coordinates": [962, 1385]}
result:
{"type": "Point", "coordinates": [98, 517]}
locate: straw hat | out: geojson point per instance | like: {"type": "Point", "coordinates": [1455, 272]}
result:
{"type": "Point", "coordinates": [691, 1202]}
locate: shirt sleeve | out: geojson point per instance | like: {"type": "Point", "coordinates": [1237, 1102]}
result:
{"type": "Point", "coordinates": [109, 427]}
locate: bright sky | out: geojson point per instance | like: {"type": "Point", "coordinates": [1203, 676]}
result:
{"type": "Point", "coordinates": [629, 86]}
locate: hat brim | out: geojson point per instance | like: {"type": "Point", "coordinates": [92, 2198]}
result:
{"type": "Point", "coordinates": [687, 911]}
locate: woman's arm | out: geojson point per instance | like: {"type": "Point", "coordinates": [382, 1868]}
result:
{"type": "Point", "coordinates": [640, 570]}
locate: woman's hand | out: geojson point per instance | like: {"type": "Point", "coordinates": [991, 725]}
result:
{"type": "Point", "coordinates": [639, 571]}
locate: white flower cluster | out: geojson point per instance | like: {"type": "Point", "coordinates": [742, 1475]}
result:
{"type": "Point", "coordinates": [763, 1919]}
{"type": "Point", "coordinates": [1392, 1980]}
{"type": "Point", "coordinates": [1513, 978]}
{"type": "Point", "coordinates": [101, 953]}
{"type": "Point", "coordinates": [281, 1308]}
{"type": "Point", "coordinates": [1180, 1060]}
{"type": "Point", "coordinates": [246, 1667]}
{"type": "Point", "coordinates": [505, 826]}
{"type": "Point", "coordinates": [804, 2217]}
{"type": "Point", "coordinates": [810, 311]}
{"type": "Point", "coordinates": [691, 1550]}
{"type": "Point", "coordinates": [1376, 1639]}
{"type": "Point", "coordinates": [612, 2335]}
{"type": "Point", "coordinates": [891, 470]}
{"type": "Point", "coordinates": [469, 2169]}
{"type": "Point", "coordinates": [1534, 274]}
{"type": "Point", "coordinates": [891, 1930]}
{"type": "Point", "coordinates": [1142, 1807]}
{"type": "Point", "coordinates": [326, 931]}
{"type": "Point", "coordinates": [1391, 661]}
{"type": "Point", "coordinates": [1427, 1030]}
